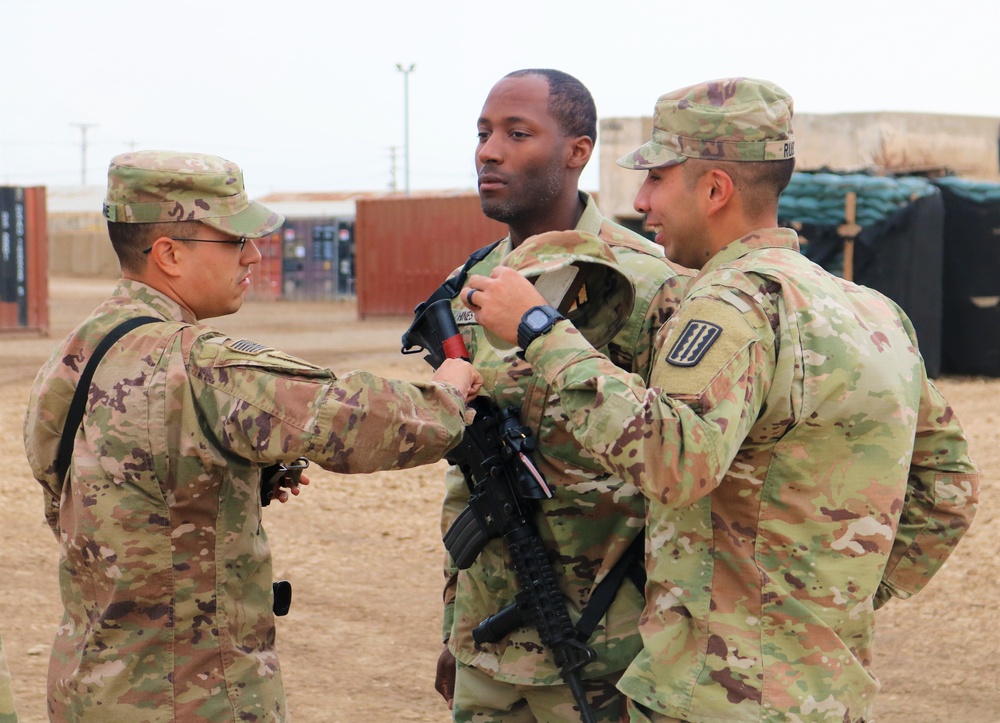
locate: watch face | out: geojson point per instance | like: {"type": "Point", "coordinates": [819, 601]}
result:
{"type": "Point", "coordinates": [536, 319]}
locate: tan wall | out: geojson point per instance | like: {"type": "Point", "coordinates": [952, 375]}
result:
{"type": "Point", "coordinates": [79, 246]}
{"type": "Point", "coordinates": [618, 185]}
{"type": "Point", "coordinates": [887, 142]}
{"type": "Point", "coordinates": [899, 142]}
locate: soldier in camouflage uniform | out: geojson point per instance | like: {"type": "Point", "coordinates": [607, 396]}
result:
{"type": "Point", "coordinates": [7, 712]}
{"type": "Point", "coordinates": [799, 466]}
{"type": "Point", "coordinates": [165, 570]}
{"type": "Point", "coordinates": [536, 134]}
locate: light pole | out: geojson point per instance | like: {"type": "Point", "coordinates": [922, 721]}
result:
{"type": "Point", "coordinates": [406, 122]}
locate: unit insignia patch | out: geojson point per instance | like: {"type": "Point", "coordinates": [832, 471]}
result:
{"type": "Point", "coordinates": [693, 343]}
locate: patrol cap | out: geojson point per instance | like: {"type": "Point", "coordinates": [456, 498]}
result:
{"type": "Point", "coordinates": [578, 274]}
{"type": "Point", "coordinates": [166, 186]}
{"type": "Point", "coordinates": [732, 119]}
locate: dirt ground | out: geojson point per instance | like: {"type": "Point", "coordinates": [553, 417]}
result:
{"type": "Point", "coordinates": [363, 553]}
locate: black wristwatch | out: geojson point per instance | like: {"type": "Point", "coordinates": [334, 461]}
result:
{"type": "Point", "coordinates": [536, 321]}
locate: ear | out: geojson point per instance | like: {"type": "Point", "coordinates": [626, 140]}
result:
{"type": "Point", "coordinates": [579, 150]}
{"type": "Point", "coordinates": [166, 256]}
{"type": "Point", "coordinates": [717, 190]}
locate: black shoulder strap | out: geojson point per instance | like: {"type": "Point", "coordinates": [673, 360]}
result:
{"type": "Point", "coordinates": [450, 288]}
{"type": "Point", "coordinates": [76, 407]}
{"type": "Point", "coordinates": [631, 564]}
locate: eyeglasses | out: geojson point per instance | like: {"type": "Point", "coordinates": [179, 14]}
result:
{"type": "Point", "coordinates": [241, 242]}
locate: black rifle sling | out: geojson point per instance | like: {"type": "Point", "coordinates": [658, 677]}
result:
{"type": "Point", "coordinates": [630, 563]}
{"type": "Point", "coordinates": [450, 288]}
{"type": "Point", "coordinates": [75, 416]}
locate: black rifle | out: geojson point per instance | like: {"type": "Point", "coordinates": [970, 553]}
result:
{"type": "Point", "coordinates": [504, 489]}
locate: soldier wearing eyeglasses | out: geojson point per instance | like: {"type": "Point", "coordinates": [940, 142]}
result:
{"type": "Point", "coordinates": [165, 570]}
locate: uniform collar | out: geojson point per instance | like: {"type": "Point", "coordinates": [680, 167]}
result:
{"type": "Point", "coordinates": [129, 291]}
{"type": "Point", "coordinates": [590, 221]}
{"type": "Point", "coordinates": [765, 238]}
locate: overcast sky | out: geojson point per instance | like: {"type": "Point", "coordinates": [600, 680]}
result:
{"type": "Point", "coordinates": [305, 95]}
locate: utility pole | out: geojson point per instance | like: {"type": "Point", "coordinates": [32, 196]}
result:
{"type": "Point", "coordinates": [406, 121]}
{"type": "Point", "coordinates": [83, 149]}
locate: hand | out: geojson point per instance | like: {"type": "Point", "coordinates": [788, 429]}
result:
{"type": "Point", "coordinates": [444, 679]}
{"type": "Point", "coordinates": [500, 301]}
{"type": "Point", "coordinates": [275, 479]}
{"type": "Point", "coordinates": [461, 374]}
{"type": "Point", "coordinates": [282, 494]}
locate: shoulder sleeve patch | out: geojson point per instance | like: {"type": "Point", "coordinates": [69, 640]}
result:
{"type": "Point", "coordinates": [693, 343]}
{"type": "Point", "coordinates": [246, 346]}
{"type": "Point", "coordinates": [700, 363]}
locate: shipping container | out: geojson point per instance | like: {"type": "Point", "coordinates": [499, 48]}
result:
{"type": "Point", "coordinates": [24, 260]}
{"type": "Point", "coordinates": [407, 245]}
{"type": "Point", "coordinates": [265, 277]}
{"type": "Point", "coordinates": [317, 258]}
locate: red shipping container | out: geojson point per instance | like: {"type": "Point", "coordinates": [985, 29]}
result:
{"type": "Point", "coordinates": [405, 246]}
{"type": "Point", "coordinates": [265, 277]}
{"type": "Point", "coordinates": [24, 260]}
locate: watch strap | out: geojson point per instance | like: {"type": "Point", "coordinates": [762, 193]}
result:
{"type": "Point", "coordinates": [527, 333]}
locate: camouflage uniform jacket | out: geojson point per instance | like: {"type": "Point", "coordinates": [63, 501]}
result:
{"type": "Point", "coordinates": [593, 516]}
{"type": "Point", "coordinates": [165, 570]}
{"type": "Point", "coordinates": [800, 469]}
{"type": "Point", "coordinates": [7, 712]}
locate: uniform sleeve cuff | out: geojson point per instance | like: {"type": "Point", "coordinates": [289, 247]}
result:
{"type": "Point", "coordinates": [550, 353]}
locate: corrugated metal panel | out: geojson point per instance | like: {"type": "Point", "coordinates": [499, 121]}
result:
{"type": "Point", "coordinates": [406, 246]}
{"type": "Point", "coordinates": [24, 258]}
{"type": "Point", "coordinates": [265, 279]}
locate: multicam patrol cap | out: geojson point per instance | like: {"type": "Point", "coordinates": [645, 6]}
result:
{"type": "Point", "coordinates": [578, 274]}
{"type": "Point", "coordinates": [732, 119]}
{"type": "Point", "coordinates": [166, 186]}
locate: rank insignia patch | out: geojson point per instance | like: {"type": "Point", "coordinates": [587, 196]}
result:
{"type": "Point", "coordinates": [694, 342]}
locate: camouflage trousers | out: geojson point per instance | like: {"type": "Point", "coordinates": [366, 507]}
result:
{"type": "Point", "coordinates": [481, 699]}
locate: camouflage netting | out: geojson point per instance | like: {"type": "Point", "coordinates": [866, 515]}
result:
{"type": "Point", "coordinates": [898, 249]}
